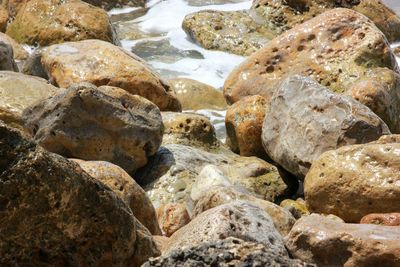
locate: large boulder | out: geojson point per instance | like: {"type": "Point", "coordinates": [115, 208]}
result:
{"type": "Point", "coordinates": [326, 242]}
{"type": "Point", "coordinates": [7, 57]}
{"type": "Point", "coordinates": [102, 63]}
{"type": "Point", "coordinates": [305, 119]}
{"type": "Point", "coordinates": [104, 123]}
{"type": "Point", "coordinates": [54, 213]}
{"type": "Point", "coordinates": [354, 181]}
{"type": "Point", "coordinates": [338, 49]}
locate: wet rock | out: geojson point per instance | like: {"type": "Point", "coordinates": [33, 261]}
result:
{"type": "Point", "coordinates": [389, 219]}
{"type": "Point", "coordinates": [219, 195]}
{"type": "Point", "coordinates": [128, 16]}
{"type": "Point", "coordinates": [231, 31]}
{"type": "Point", "coordinates": [327, 242]}
{"type": "Point", "coordinates": [211, 2]}
{"type": "Point", "coordinates": [228, 252]}
{"type": "Point", "coordinates": [296, 207]}
{"type": "Point", "coordinates": [396, 51]}
{"type": "Point", "coordinates": [243, 123]}
{"type": "Point", "coordinates": [237, 219]}
{"type": "Point", "coordinates": [70, 219]}
{"type": "Point", "coordinates": [110, 4]}
{"type": "Point", "coordinates": [102, 63]}
{"type": "Point", "coordinates": [354, 181]}
{"type": "Point", "coordinates": [337, 49]}
{"type": "Point", "coordinates": [129, 30]}
{"type": "Point", "coordinates": [305, 119]}
{"type": "Point", "coordinates": [172, 217]}
{"type": "Point", "coordinates": [18, 51]}
{"type": "Point", "coordinates": [46, 22]}
{"type": "Point", "coordinates": [195, 95]}
{"type": "Point", "coordinates": [125, 188]}
{"type": "Point", "coordinates": [7, 57]}
{"type": "Point", "coordinates": [102, 123]}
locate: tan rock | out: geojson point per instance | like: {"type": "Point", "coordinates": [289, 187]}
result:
{"type": "Point", "coordinates": [102, 63]}
{"type": "Point", "coordinates": [297, 207]}
{"type": "Point", "coordinates": [326, 242]}
{"type": "Point", "coordinates": [19, 52]}
{"type": "Point", "coordinates": [196, 95]}
{"type": "Point", "coordinates": [7, 57]}
{"type": "Point", "coordinates": [161, 242]}
{"type": "Point", "coordinates": [389, 219]}
{"type": "Point", "coordinates": [3, 19]}
{"type": "Point", "coordinates": [172, 217]}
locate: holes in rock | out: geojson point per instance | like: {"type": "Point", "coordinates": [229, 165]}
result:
{"type": "Point", "coordinates": [300, 48]}
{"type": "Point", "coordinates": [270, 69]}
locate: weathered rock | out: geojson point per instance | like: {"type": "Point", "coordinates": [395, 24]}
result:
{"type": "Point", "coordinates": [125, 188]}
{"type": "Point", "coordinates": [18, 51]}
{"type": "Point", "coordinates": [161, 242]}
{"type": "Point", "coordinates": [172, 217]}
{"type": "Point", "coordinates": [196, 95]}
{"type": "Point", "coordinates": [389, 219]}
{"type": "Point", "coordinates": [130, 30]}
{"type": "Point", "coordinates": [102, 123]}
{"type": "Point", "coordinates": [337, 48]}
{"type": "Point", "coordinates": [327, 242]}
{"type": "Point", "coordinates": [354, 181]}
{"type": "Point", "coordinates": [305, 119]}
{"type": "Point", "coordinates": [243, 123]}
{"type": "Point", "coordinates": [228, 252]}
{"type": "Point", "coordinates": [218, 195]}
{"type": "Point", "coordinates": [232, 31]}
{"type": "Point", "coordinates": [7, 57]}
{"type": "Point", "coordinates": [46, 22]}
{"type": "Point", "coordinates": [102, 63]}
{"type": "Point", "coordinates": [109, 4]}
{"type": "Point", "coordinates": [53, 213]}
{"type": "Point", "coordinates": [3, 19]}
{"type": "Point", "coordinates": [237, 219]}
{"type": "Point", "coordinates": [297, 207]}
{"type": "Point", "coordinates": [396, 51]}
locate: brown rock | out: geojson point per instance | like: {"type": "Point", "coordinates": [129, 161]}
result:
{"type": "Point", "coordinates": [389, 219]}
{"type": "Point", "coordinates": [161, 242]}
{"type": "Point", "coordinates": [97, 124]}
{"type": "Point", "coordinates": [297, 207]}
{"type": "Point", "coordinates": [102, 63]}
{"type": "Point", "coordinates": [172, 217]}
{"type": "Point", "coordinates": [327, 242]}
{"type": "Point", "coordinates": [18, 51]}
{"type": "Point", "coordinates": [396, 51]}
{"type": "Point", "coordinates": [3, 19]}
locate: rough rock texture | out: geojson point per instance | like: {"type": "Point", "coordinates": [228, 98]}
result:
{"type": "Point", "coordinates": [170, 174]}
{"type": "Point", "coordinates": [102, 63]}
{"type": "Point", "coordinates": [225, 253]}
{"type": "Point", "coordinates": [172, 217]}
{"type": "Point", "coordinates": [296, 207]}
{"type": "Point", "coordinates": [243, 123]}
{"type": "Point", "coordinates": [196, 95]}
{"type": "Point", "coordinates": [110, 4]}
{"type": "Point", "coordinates": [161, 242]}
{"type": "Point", "coordinates": [327, 242]}
{"type": "Point", "coordinates": [354, 181]}
{"type": "Point", "coordinates": [7, 57]}
{"type": "Point", "coordinates": [218, 195]}
{"type": "Point", "coordinates": [125, 188]}
{"type": "Point", "coordinates": [18, 51]}
{"type": "Point", "coordinates": [389, 219]}
{"type": "Point", "coordinates": [69, 220]}
{"type": "Point", "coordinates": [306, 119]}
{"type": "Point", "coordinates": [237, 219]}
{"type": "Point", "coordinates": [102, 123]}
{"type": "Point", "coordinates": [3, 19]}
{"type": "Point", "coordinates": [337, 48]}
{"type": "Point", "coordinates": [232, 31]}
{"type": "Point", "coordinates": [46, 22]}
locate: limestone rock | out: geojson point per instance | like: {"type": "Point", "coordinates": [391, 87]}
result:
{"type": "Point", "coordinates": [297, 207]}
{"type": "Point", "coordinates": [172, 217]}
{"type": "Point", "coordinates": [7, 57]}
{"type": "Point", "coordinates": [92, 123]}
{"type": "Point", "coordinates": [161, 242]}
{"type": "Point", "coordinates": [18, 51]}
{"type": "Point", "coordinates": [327, 242]}
{"type": "Point", "coordinates": [354, 181]}
{"type": "Point", "coordinates": [102, 63]}
{"type": "Point", "coordinates": [55, 213]}
{"type": "Point", "coordinates": [125, 188]}
{"type": "Point", "coordinates": [305, 119]}
{"type": "Point", "coordinates": [389, 219]}
{"type": "Point", "coordinates": [46, 22]}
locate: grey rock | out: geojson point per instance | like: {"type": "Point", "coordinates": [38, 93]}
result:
{"type": "Point", "coordinates": [7, 57]}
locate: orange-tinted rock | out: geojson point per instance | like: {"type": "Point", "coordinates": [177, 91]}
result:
{"type": "Point", "coordinates": [389, 219]}
{"type": "Point", "coordinates": [172, 217]}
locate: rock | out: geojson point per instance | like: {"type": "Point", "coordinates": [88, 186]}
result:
{"type": "Point", "coordinates": [237, 219]}
{"type": "Point", "coordinates": [3, 19]}
{"type": "Point", "coordinates": [281, 15]}
{"type": "Point", "coordinates": [354, 181]}
{"type": "Point", "coordinates": [7, 57]}
{"type": "Point", "coordinates": [211, 2]}
{"type": "Point", "coordinates": [188, 129]}
{"type": "Point", "coordinates": [396, 51]}
{"type": "Point", "coordinates": [196, 95]}
{"type": "Point", "coordinates": [46, 22]}
{"type": "Point", "coordinates": [337, 49]}
{"type": "Point", "coordinates": [102, 123]}
{"type": "Point", "coordinates": [102, 63]}
{"type": "Point", "coordinates": [70, 219]}
{"type": "Point", "coordinates": [130, 30]}
{"type": "Point", "coordinates": [231, 31]}
{"type": "Point", "coordinates": [170, 174]}
{"type": "Point", "coordinates": [243, 123]}
{"type": "Point", "coordinates": [172, 217]}
{"type": "Point", "coordinates": [110, 4]}
{"type": "Point", "coordinates": [227, 252]}
{"type": "Point", "coordinates": [161, 242]}
{"type": "Point", "coordinates": [389, 219]}
{"type": "Point", "coordinates": [297, 207]}
{"type": "Point", "coordinates": [305, 119]}
{"type": "Point", "coordinates": [327, 242]}
{"type": "Point", "coordinates": [125, 188]}
{"type": "Point", "coordinates": [18, 51]}
{"type": "Point", "coordinates": [219, 195]}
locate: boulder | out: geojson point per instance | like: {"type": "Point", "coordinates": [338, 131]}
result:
{"type": "Point", "coordinates": [102, 63]}
{"type": "Point", "coordinates": [172, 217]}
{"type": "Point", "coordinates": [305, 119]}
{"type": "Point", "coordinates": [7, 57]}
{"type": "Point", "coordinates": [18, 51]}
{"type": "Point", "coordinates": [327, 242]}
{"type": "Point", "coordinates": [125, 188]}
{"type": "Point", "coordinates": [296, 207]}
{"type": "Point", "coordinates": [110, 4]}
{"type": "Point", "coordinates": [354, 181]}
{"type": "Point", "coordinates": [102, 123]}
{"type": "Point", "coordinates": [389, 219]}
{"type": "Point", "coordinates": [3, 19]}
{"type": "Point", "coordinates": [54, 213]}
